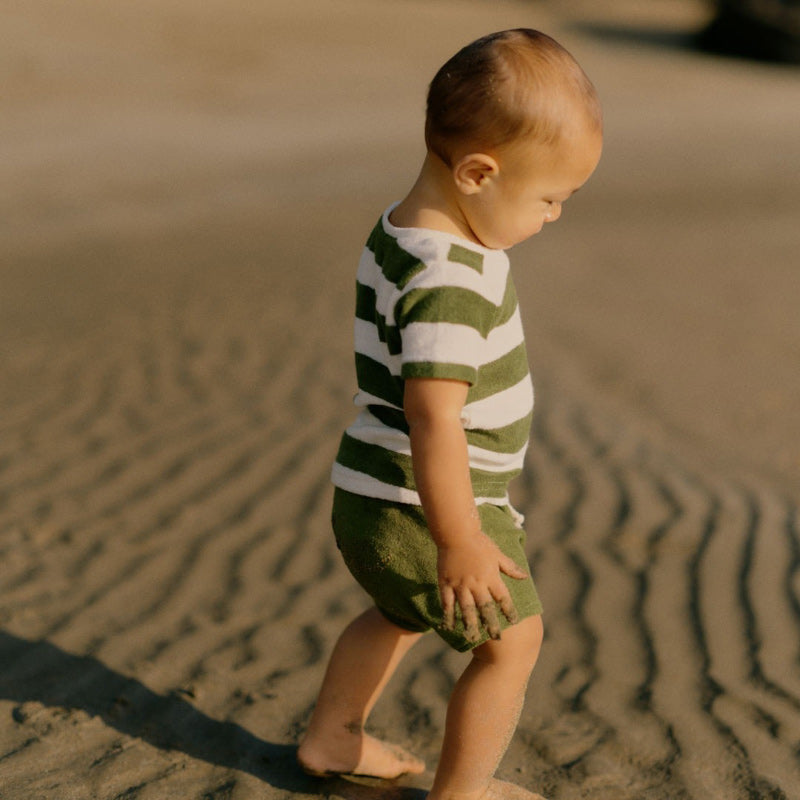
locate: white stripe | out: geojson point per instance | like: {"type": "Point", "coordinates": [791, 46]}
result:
{"type": "Point", "coordinates": [368, 272]}
{"type": "Point", "coordinates": [501, 409]}
{"type": "Point", "coordinates": [490, 285]}
{"type": "Point", "coordinates": [504, 338]}
{"type": "Point", "coordinates": [386, 293]}
{"type": "Point", "coordinates": [367, 342]}
{"type": "Point", "coordinates": [493, 501]}
{"type": "Point", "coordinates": [363, 398]}
{"type": "Point", "coordinates": [360, 483]}
{"type": "Point", "coordinates": [490, 461]}
{"type": "Point", "coordinates": [433, 248]}
{"type": "Point", "coordinates": [443, 343]}
{"type": "Point", "coordinates": [366, 428]}
{"type": "Point", "coordinates": [440, 342]}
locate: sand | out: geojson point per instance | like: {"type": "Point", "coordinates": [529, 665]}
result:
{"type": "Point", "coordinates": [185, 190]}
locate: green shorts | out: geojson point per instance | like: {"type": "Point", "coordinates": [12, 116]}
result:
{"type": "Point", "coordinates": [390, 552]}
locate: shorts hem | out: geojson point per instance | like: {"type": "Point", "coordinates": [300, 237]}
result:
{"type": "Point", "coordinates": [461, 645]}
{"type": "Point", "coordinates": [402, 623]}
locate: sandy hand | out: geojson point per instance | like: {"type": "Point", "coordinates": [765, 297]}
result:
{"type": "Point", "coordinates": [469, 576]}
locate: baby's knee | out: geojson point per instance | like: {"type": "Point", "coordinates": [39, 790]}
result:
{"type": "Point", "coordinates": [519, 645]}
{"type": "Point", "coordinates": [528, 638]}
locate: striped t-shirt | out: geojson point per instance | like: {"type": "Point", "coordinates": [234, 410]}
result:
{"type": "Point", "coordinates": [430, 304]}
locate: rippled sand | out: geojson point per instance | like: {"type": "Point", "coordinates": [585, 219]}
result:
{"type": "Point", "coordinates": [184, 192]}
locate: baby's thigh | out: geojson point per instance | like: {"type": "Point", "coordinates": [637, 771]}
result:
{"type": "Point", "coordinates": [389, 551]}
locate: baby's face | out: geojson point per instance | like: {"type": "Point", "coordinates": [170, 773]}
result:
{"type": "Point", "coordinates": [531, 187]}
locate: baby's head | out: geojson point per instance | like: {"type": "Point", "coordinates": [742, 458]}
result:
{"type": "Point", "coordinates": [504, 87]}
{"type": "Point", "coordinates": [511, 109]}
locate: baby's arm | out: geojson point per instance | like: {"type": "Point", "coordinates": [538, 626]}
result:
{"type": "Point", "coordinates": [469, 562]}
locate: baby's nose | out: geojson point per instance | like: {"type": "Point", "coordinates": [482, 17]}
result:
{"type": "Point", "coordinates": [553, 212]}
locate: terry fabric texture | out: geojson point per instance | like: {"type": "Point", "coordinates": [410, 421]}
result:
{"type": "Point", "coordinates": [430, 304]}
{"type": "Point", "coordinates": [388, 549]}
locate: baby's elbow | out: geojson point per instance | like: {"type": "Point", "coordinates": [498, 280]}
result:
{"type": "Point", "coordinates": [433, 403]}
{"type": "Point", "coordinates": [426, 418]}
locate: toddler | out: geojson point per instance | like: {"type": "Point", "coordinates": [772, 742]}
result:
{"type": "Point", "coordinates": [421, 511]}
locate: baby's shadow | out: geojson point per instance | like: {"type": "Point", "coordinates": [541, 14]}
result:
{"type": "Point", "coordinates": [355, 789]}
{"type": "Point", "coordinates": [40, 672]}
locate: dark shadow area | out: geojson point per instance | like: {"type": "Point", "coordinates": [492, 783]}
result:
{"type": "Point", "coordinates": [761, 30]}
{"type": "Point", "coordinates": [37, 671]}
{"type": "Point", "coordinates": [648, 36]}
{"type": "Point", "coordinates": [730, 33]}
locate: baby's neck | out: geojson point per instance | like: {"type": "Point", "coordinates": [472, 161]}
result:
{"type": "Point", "coordinates": [432, 203]}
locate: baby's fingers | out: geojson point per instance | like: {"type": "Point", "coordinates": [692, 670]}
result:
{"type": "Point", "coordinates": [511, 568]}
{"type": "Point", "coordinates": [507, 606]}
{"type": "Point", "coordinates": [491, 620]}
{"type": "Point", "coordinates": [469, 615]}
{"type": "Point", "coordinates": [448, 606]}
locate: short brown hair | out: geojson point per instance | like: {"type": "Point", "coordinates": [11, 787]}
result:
{"type": "Point", "coordinates": [504, 86]}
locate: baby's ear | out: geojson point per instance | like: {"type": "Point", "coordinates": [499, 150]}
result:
{"type": "Point", "coordinates": [472, 172]}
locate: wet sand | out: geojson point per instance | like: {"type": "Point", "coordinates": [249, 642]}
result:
{"type": "Point", "coordinates": [185, 192]}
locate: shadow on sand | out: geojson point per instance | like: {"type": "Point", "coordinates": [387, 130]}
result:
{"type": "Point", "coordinates": [719, 38]}
{"type": "Point", "coordinates": [648, 36]}
{"type": "Point", "coordinates": [40, 672]}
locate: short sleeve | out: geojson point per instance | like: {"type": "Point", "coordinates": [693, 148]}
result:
{"type": "Point", "coordinates": [443, 332]}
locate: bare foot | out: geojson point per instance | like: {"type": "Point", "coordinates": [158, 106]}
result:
{"type": "Point", "coordinates": [362, 755]}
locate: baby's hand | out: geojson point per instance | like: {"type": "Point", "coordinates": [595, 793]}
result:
{"type": "Point", "coordinates": [469, 575]}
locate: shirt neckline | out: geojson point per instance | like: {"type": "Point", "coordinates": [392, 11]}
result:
{"type": "Point", "coordinates": [397, 232]}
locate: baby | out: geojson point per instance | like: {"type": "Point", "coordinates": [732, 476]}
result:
{"type": "Point", "coordinates": [421, 511]}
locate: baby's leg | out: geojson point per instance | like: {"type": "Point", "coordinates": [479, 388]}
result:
{"type": "Point", "coordinates": [366, 655]}
{"type": "Point", "coordinates": [482, 715]}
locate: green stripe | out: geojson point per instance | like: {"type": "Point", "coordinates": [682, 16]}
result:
{"type": "Point", "coordinates": [365, 302]}
{"type": "Point", "coordinates": [469, 258]}
{"type": "Point", "coordinates": [398, 266]}
{"type": "Point", "coordinates": [509, 304]}
{"type": "Point", "coordinates": [391, 335]}
{"type": "Point", "coordinates": [366, 311]}
{"type": "Point", "coordinates": [508, 439]}
{"type": "Point", "coordinates": [504, 372]}
{"type": "Point", "coordinates": [456, 305]}
{"type": "Point", "coordinates": [436, 304]}
{"type": "Point", "coordinates": [395, 469]}
{"type": "Point", "coordinates": [452, 304]}
{"type": "Point", "coordinates": [491, 484]}
{"type": "Point", "coordinates": [375, 378]}
{"type": "Point", "coordinates": [391, 417]}
{"type": "Point", "coordinates": [385, 465]}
